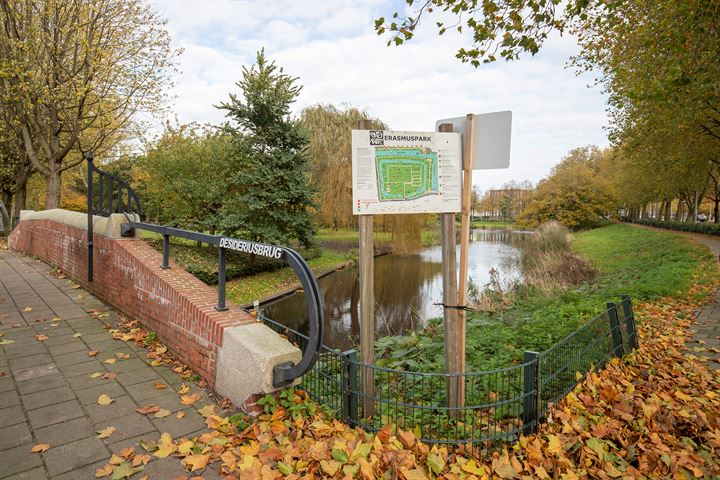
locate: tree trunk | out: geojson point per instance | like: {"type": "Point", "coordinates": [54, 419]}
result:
{"type": "Point", "coordinates": [668, 210]}
{"type": "Point", "coordinates": [643, 212]}
{"type": "Point", "coordinates": [691, 211]}
{"type": "Point", "coordinates": [20, 202]}
{"type": "Point", "coordinates": [679, 211]}
{"type": "Point", "coordinates": [52, 189]}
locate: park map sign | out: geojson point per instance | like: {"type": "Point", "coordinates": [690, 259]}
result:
{"type": "Point", "coordinates": [406, 172]}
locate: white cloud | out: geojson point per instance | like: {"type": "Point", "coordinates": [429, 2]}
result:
{"type": "Point", "coordinates": [332, 48]}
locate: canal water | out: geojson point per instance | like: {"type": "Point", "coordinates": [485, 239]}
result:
{"type": "Point", "coordinates": [407, 287]}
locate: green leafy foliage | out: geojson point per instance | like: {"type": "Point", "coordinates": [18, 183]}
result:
{"type": "Point", "coordinates": [269, 197]}
{"type": "Point", "coordinates": [705, 228]}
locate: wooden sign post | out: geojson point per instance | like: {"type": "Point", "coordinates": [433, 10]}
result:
{"type": "Point", "coordinates": [366, 262]}
{"type": "Point", "coordinates": [454, 335]}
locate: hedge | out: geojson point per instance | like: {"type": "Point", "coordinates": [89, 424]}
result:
{"type": "Point", "coordinates": [696, 227]}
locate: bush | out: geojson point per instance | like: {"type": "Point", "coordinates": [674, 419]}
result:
{"type": "Point", "coordinates": [706, 228]}
{"type": "Point", "coordinates": [548, 262]}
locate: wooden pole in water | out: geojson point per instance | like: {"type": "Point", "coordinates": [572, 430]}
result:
{"type": "Point", "coordinates": [367, 303]}
{"type": "Point", "coordinates": [453, 335]}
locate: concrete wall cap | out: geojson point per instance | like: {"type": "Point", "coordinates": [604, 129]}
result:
{"type": "Point", "coordinates": [105, 226]}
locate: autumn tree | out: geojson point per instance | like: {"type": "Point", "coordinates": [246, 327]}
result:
{"type": "Point", "coordinates": [270, 196]}
{"type": "Point", "coordinates": [74, 74]}
{"type": "Point", "coordinates": [330, 151]}
{"type": "Point", "coordinates": [575, 193]}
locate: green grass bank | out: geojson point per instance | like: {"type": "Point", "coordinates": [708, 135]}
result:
{"type": "Point", "coordinates": [642, 263]}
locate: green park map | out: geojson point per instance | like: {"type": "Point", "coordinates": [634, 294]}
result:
{"type": "Point", "coordinates": [406, 173]}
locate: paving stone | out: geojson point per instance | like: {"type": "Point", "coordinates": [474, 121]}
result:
{"type": "Point", "coordinates": [177, 427]}
{"type": "Point", "coordinates": [72, 358]}
{"type": "Point", "coordinates": [36, 383]}
{"type": "Point", "coordinates": [56, 413]}
{"type": "Point", "coordinates": [67, 348]}
{"type": "Point", "coordinates": [86, 381]}
{"type": "Point", "coordinates": [18, 459]}
{"type": "Point", "coordinates": [128, 365]}
{"type": "Point", "coordinates": [65, 432]}
{"type": "Point", "coordinates": [138, 376]}
{"type": "Point", "coordinates": [134, 442]}
{"type": "Point", "coordinates": [72, 456]}
{"type": "Point", "coordinates": [34, 474]}
{"type": "Point", "coordinates": [35, 400]}
{"type": "Point", "coordinates": [146, 390]}
{"type": "Point", "coordinates": [60, 340]}
{"type": "Point", "coordinates": [91, 394]}
{"type": "Point", "coordinates": [6, 384]}
{"type": "Point", "coordinates": [35, 372]}
{"type": "Point", "coordinates": [168, 467]}
{"type": "Point", "coordinates": [120, 407]}
{"type": "Point", "coordinates": [88, 471]}
{"type": "Point", "coordinates": [81, 368]}
{"type": "Point", "coordinates": [8, 399]}
{"type": "Point", "coordinates": [15, 356]}
{"type": "Point", "coordinates": [99, 336]}
{"type": "Point", "coordinates": [11, 416]}
{"type": "Point", "coordinates": [30, 361]}
{"type": "Point", "coordinates": [127, 427]}
{"type": "Point", "coordinates": [15, 435]}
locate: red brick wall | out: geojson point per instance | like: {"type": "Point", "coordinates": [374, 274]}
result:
{"type": "Point", "coordinates": [127, 275]}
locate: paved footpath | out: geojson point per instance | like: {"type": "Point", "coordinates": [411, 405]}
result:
{"type": "Point", "coordinates": [47, 395]}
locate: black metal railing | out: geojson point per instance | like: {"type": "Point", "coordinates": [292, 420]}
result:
{"type": "Point", "coordinates": [4, 218]}
{"type": "Point", "coordinates": [113, 195]}
{"type": "Point", "coordinates": [499, 404]}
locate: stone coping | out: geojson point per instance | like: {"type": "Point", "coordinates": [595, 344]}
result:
{"type": "Point", "coordinates": [105, 226]}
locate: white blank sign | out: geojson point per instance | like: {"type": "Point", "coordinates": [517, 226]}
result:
{"type": "Point", "coordinates": [491, 138]}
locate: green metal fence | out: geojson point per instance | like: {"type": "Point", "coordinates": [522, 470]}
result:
{"type": "Point", "coordinates": [498, 404]}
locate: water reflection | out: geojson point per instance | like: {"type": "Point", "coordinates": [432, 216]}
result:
{"type": "Point", "coordinates": [406, 287]}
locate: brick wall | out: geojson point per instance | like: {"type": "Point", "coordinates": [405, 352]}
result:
{"type": "Point", "coordinates": [127, 275]}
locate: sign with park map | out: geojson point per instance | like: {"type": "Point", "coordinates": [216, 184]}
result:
{"type": "Point", "coordinates": [406, 172]}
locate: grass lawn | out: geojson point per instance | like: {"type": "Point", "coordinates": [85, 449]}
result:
{"type": "Point", "coordinates": [644, 264]}
{"type": "Point", "coordinates": [494, 224]}
{"type": "Point", "coordinates": [262, 285]}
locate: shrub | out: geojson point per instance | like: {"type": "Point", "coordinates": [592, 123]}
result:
{"type": "Point", "coordinates": [548, 262]}
{"type": "Point", "coordinates": [706, 228]}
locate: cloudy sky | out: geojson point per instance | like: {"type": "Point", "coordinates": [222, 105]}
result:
{"type": "Point", "coordinates": [332, 47]}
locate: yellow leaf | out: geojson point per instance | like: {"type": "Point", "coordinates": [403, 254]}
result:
{"type": "Point", "coordinates": [414, 474]}
{"type": "Point", "coordinates": [165, 446]}
{"type": "Point", "coordinates": [184, 389]}
{"type": "Point", "coordinates": [104, 400]}
{"type": "Point", "coordinates": [252, 449]}
{"type": "Point", "coordinates": [554, 445]}
{"type": "Point", "coordinates": [162, 413]}
{"type": "Point", "coordinates": [40, 337]}
{"type": "Point", "coordinates": [106, 432]}
{"type": "Point", "coordinates": [185, 447]}
{"type": "Point", "coordinates": [207, 410]}
{"type": "Point", "coordinates": [110, 361]}
{"type": "Point", "coordinates": [330, 467]}
{"type": "Point", "coordinates": [180, 414]}
{"type": "Point", "coordinates": [196, 462]}
{"type": "Point", "coordinates": [104, 472]}
{"type": "Point", "coordinates": [160, 385]}
{"type": "Point", "coordinates": [122, 356]}
{"type": "Point", "coordinates": [27, 309]}
{"type": "Point", "coordinates": [190, 399]}
{"type": "Point", "coordinates": [93, 353]}
{"type": "Point", "coordinates": [115, 460]}
{"type": "Point", "coordinates": [39, 448]}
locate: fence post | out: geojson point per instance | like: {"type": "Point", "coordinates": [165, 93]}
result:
{"type": "Point", "coordinates": [90, 210]}
{"type": "Point", "coordinates": [350, 385]}
{"type": "Point", "coordinates": [531, 392]}
{"type": "Point", "coordinates": [630, 321]}
{"type": "Point", "coordinates": [220, 307]}
{"type": "Point", "coordinates": [166, 252]}
{"type": "Point", "coordinates": [615, 329]}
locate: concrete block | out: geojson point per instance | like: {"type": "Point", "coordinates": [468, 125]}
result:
{"type": "Point", "coordinates": [246, 361]}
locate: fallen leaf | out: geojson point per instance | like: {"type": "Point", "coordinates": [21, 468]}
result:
{"type": "Point", "coordinates": [160, 386]}
{"type": "Point", "coordinates": [6, 342]}
{"type": "Point", "coordinates": [141, 459]}
{"type": "Point", "coordinates": [106, 432]}
{"type": "Point", "coordinates": [104, 472]}
{"type": "Point", "coordinates": [127, 452]}
{"type": "Point", "coordinates": [207, 410]}
{"type": "Point", "coordinates": [125, 470]}
{"type": "Point", "coordinates": [40, 447]}
{"type": "Point", "coordinates": [27, 309]}
{"type": "Point", "coordinates": [109, 361]}
{"type": "Point", "coordinates": [147, 409]}
{"type": "Point", "coordinates": [92, 353]}
{"type": "Point", "coordinates": [104, 400]}
{"type": "Point", "coordinates": [162, 413]}
{"type": "Point", "coordinates": [78, 334]}
{"type": "Point", "coordinates": [122, 356]}
{"type": "Point", "coordinates": [41, 337]}
{"type": "Point", "coordinates": [190, 399]}
{"type": "Point", "coordinates": [180, 414]}
{"type": "Point", "coordinates": [196, 462]}
{"type": "Point", "coordinates": [2, 373]}
{"type": "Point", "coordinates": [165, 446]}
{"type": "Point", "coordinates": [183, 389]}
{"type": "Point", "coordinates": [109, 375]}
{"type": "Point", "coordinates": [96, 375]}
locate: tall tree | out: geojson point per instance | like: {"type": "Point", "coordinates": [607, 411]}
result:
{"type": "Point", "coordinates": [73, 74]}
{"type": "Point", "coordinates": [270, 194]}
{"type": "Point", "coordinates": [330, 152]}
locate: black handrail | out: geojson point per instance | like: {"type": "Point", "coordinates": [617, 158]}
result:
{"type": "Point", "coordinates": [285, 373]}
{"type": "Point", "coordinates": [114, 204]}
